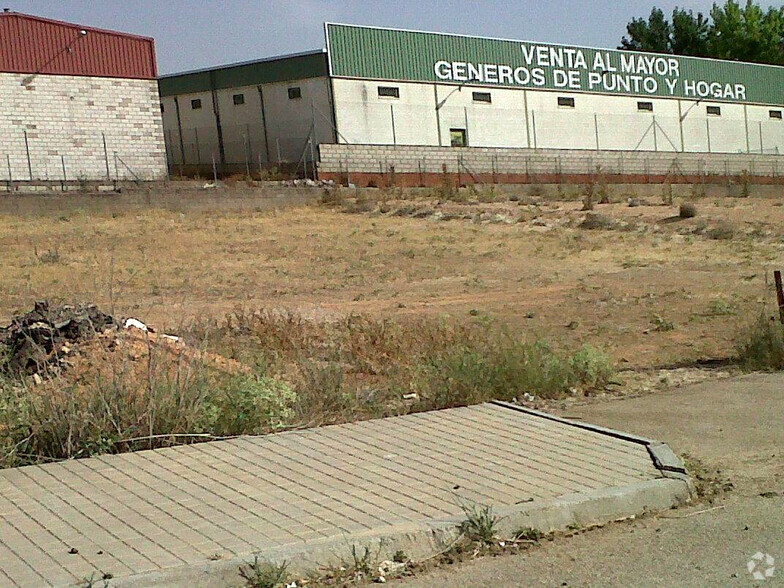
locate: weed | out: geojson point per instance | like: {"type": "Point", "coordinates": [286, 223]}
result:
{"type": "Point", "coordinates": [480, 525]}
{"type": "Point", "coordinates": [261, 574]}
{"type": "Point", "coordinates": [362, 563]}
{"type": "Point", "coordinates": [249, 404]}
{"type": "Point", "coordinates": [589, 190]}
{"type": "Point", "coordinates": [96, 580]}
{"type": "Point", "coordinates": [687, 210]}
{"type": "Point", "coordinates": [667, 194]}
{"type": "Point", "coordinates": [745, 181]}
{"type": "Point", "coordinates": [661, 324]}
{"type": "Point", "coordinates": [721, 307]}
{"type": "Point", "coordinates": [400, 556]}
{"type": "Point", "coordinates": [723, 231]}
{"type": "Point", "coordinates": [48, 257]}
{"type": "Point", "coordinates": [595, 221]}
{"type": "Point", "coordinates": [332, 196]}
{"type": "Point", "coordinates": [762, 345]}
{"type": "Point", "coordinates": [528, 534]}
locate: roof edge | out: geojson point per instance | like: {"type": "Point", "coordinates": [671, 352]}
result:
{"type": "Point", "coordinates": [74, 25]}
{"type": "Point", "coordinates": [243, 63]}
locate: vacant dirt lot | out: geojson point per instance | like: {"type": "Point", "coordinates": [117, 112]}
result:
{"type": "Point", "coordinates": [650, 288]}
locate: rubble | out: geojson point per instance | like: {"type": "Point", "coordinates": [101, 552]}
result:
{"type": "Point", "coordinates": [309, 183]}
{"type": "Point", "coordinates": [43, 337]}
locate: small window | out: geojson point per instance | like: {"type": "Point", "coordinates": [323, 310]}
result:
{"type": "Point", "coordinates": [714, 110]}
{"type": "Point", "coordinates": [565, 102]}
{"type": "Point", "coordinates": [775, 114]}
{"type": "Point", "coordinates": [196, 104]}
{"type": "Point", "coordinates": [483, 97]}
{"type": "Point", "coordinates": [295, 92]}
{"type": "Point", "coordinates": [458, 137]}
{"type": "Point", "coordinates": [239, 99]}
{"type": "Point", "coordinates": [645, 106]}
{"type": "Point", "coordinates": [388, 92]}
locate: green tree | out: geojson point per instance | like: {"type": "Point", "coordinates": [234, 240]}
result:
{"type": "Point", "coordinates": [733, 31]}
{"type": "Point", "coordinates": [747, 33]}
{"type": "Point", "coordinates": [651, 35]}
{"type": "Point", "coordinates": [689, 33]}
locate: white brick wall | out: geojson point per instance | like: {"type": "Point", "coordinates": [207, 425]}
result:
{"type": "Point", "coordinates": [418, 159]}
{"type": "Point", "coordinates": [66, 117]}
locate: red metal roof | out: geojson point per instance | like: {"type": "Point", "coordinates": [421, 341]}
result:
{"type": "Point", "coordinates": [30, 44]}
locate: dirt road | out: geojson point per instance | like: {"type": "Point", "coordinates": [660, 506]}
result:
{"type": "Point", "coordinates": [736, 429]}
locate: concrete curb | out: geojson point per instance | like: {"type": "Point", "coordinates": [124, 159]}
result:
{"type": "Point", "coordinates": [422, 540]}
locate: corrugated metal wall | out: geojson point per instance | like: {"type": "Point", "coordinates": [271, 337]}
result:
{"type": "Point", "coordinates": [29, 44]}
{"type": "Point", "coordinates": [265, 71]}
{"type": "Point", "coordinates": [390, 54]}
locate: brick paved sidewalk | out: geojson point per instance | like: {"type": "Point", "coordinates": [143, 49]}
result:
{"type": "Point", "coordinates": [183, 506]}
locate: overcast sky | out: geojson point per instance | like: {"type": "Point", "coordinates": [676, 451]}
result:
{"type": "Point", "coordinates": [192, 34]}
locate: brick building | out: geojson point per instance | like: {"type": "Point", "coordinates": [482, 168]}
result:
{"type": "Point", "coordinates": [79, 103]}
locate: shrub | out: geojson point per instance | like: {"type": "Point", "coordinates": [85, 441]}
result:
{"type": "Point", "coordinates": [128, 404]}
{"type": "Point", "coordinates": [723, 231]}
{"type": "Point", "coordinates": [595, 221]}
{"type": "Point", "coordinates": [762, 345]}
{"type": "Point", "coordinates": [504, 369]}
{"type": "Point", "coordinates": [480, 524]}
{"type": "Point", "coordinates": [261, 574]}
{"type": "Point", "coordinates": [249, 404]}
{"type": "Point", "coordinates": [688, 210]}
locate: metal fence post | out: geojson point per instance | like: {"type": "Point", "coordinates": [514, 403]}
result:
{"type": "Point", "coordinates": [106, 157]}
{"type": "Point", "coordinates": [655, 135]}
{"type": "Point", "coordinates": [250, 143]}
{"type": "Point", "coordinates": [198, 148]}
{"type": "Point", "coordinates": [10, 174]}
{"type": "Point", "coordinates": [214, 170]}
{"type": "Point", "coordinates": [707, 125]}
{"type": "Point", "coordinates": [65, 175]}
{"type": "Point", "coordinates": [533, 126]}
{"type": "Point", "coordinates": [394, 130]}
{"type": "Point", "coordinates": [27, 150]}
{"type": "Point", "coordinates": [762, 143]}
{"type": "Point", "coordinates": [596, 129]}
{"type": "Point", "coordinates": [247, 163]}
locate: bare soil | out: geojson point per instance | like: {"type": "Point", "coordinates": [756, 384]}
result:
{"type": "Point", "coordinates": [649, 287]}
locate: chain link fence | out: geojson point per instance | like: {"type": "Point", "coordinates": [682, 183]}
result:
{"type": "Point", "coordinates": [34, 156]}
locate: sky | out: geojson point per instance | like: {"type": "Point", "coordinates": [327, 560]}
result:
{"type": "Point", "coordinates": [193, 34]}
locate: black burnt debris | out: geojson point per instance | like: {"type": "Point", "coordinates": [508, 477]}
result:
{"type": "Point", "coordinates": [40, 339]}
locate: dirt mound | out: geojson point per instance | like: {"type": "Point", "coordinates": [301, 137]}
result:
{"type": "Point", "coordinates": [39, 339]}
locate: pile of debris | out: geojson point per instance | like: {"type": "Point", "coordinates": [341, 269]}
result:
{"type": "Point", "coordinates": [41, 339]}
{"type": "Point", "coordinates": [84, 342]}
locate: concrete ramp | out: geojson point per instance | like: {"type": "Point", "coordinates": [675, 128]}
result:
{"type": "Point", "coordinates": [189, 515]}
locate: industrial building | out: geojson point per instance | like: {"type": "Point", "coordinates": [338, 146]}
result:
{"type": "Point", "coordinates": [406, 105]}
{"type": "Point", "coordinates": [79, 104]}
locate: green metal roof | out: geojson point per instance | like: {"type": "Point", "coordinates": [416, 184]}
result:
{"type": "Point", "coordinates": [389, 54]}
{"type": "Point", "coordinates": [264, 71]}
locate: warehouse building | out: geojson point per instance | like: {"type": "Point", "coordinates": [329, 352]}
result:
{"type": "Point", "coordinates": [410, 104]}
{"type": "Point", "coordinates": [264, 112]}
{"type": "Point", "coordinates": [79, 103]}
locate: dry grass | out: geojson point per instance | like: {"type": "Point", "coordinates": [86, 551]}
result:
{"type": "Point", "coordinates": [525, 266]}
{"type": "Point", "coordinates": [366, 303]}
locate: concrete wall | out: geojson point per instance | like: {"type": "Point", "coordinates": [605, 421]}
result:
{"type": "Point", "coordinates": [534, 119]}
{"type": "Point", "coordinates": [66, 119]}
{"type": "Point", "coordinates": [424, 165]}
{"type": "Point", "coordinates": [276, 131]}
